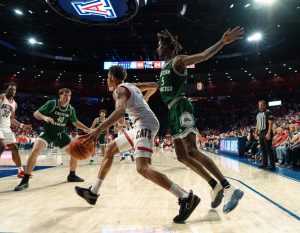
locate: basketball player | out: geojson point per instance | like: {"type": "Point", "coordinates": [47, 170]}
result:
{"type": "Point", "coordinates": [129, 98]}
{"type": "Point", "coordinates": [55, 114]}
{"type": "Point", "coordinates": [8, 107]}
{"type": "Point", "coordinates": [181, 113]}
{"type": "Point", "coordinates": [102, 139]}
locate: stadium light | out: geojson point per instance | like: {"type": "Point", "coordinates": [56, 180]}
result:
{"type": "Point", "coordinates": [33, 41]}
{"type": "Point", "coordinates": [18, 12]}
{"type": "Point", "coordinates": [255, 37]}
{"type": "Point", "coordinates": [265, 2]}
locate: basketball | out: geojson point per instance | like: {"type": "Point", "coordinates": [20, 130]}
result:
{"type": "Point", "coordinates": [79, 151]}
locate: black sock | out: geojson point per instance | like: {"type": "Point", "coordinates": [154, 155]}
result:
{"type": "Point", "coordinates": [212, 183]}
{"type": "Point", "coordinates": [225, 183]}
{"type": "Point", "coordinates": [72, 173]}
{"type": "Point", "coordinates": [25, 178]}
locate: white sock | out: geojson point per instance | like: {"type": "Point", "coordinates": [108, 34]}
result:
{"type": "Point", "coordinates": [96, 186]}
{"type": "Point", "coordinates": [178, 192]}
{"type": "Point", "coordinates": [20, 169]}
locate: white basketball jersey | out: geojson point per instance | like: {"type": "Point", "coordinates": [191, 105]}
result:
{"type": "Point", "coordinates": [6, 109]}
{"type": "Point", "coordinates": [137, 108]}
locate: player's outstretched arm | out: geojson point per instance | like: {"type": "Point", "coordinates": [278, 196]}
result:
{"type": "Point", "coordinates": [38, 115]}
{"type": "Point", "coordinates": [81, 126]}
{"type": "Point", "coordinates": [150, 87]}
{"type": "Point", "coordinates": [228, 37]}
{"type": "Point", "coordinates": [120, 97]}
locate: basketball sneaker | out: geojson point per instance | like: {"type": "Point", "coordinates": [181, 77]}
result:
{"type": "Point", "coordinates": [74, 178]}
{"type": "Point", "coordinates": [87, 195]}
{"type": "Point", "coordinates": [21, 186]}
{"type": "Point", "coordinates": [232, 197]}
{"type": "Point", "coordinates": [187, 206]}
{"type": "Point", "coordinates": [22, 173]}
{"type": "Point", "coordinates": [216, 195]}
{"type": "Point", "coordinates": [123, 158]}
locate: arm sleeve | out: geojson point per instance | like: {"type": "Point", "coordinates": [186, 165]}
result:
{"type": "Point", "coordinates": [47, 107]}
{"type": "Point", "coordinates": [270, 116]}
{"type": "Point", "coordinates": [73, 117]}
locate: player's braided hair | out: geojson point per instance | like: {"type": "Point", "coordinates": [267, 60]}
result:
{"type": "Point", "coordinates": [169, 40]}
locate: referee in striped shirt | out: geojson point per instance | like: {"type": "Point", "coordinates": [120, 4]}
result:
{"type": "Point", "coordinates": [264, 126]}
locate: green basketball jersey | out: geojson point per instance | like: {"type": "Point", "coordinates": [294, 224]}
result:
{"type": "Point", "coordinates": [171, 83]}
{"type": "Point", "coordinates": [60, 115]}
{"type": "Point", "coordinates": [99, 122]}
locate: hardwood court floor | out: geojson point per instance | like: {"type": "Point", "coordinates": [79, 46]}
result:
{"type": "Point", "coordinates": [130, 203]}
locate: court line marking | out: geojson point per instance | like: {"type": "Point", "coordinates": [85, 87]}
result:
{"type": "Point", "coordinates": [244, 161]}
{"type": "Point", "coordinates": [267, 198]}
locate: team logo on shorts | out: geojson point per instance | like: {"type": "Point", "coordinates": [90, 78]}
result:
{"type": "Point", "coordinates": [186, 120]}
{"type": "Point", "coordinates": [96, 7]}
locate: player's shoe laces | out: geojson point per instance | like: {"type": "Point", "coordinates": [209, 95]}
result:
{"type": "Point", "coordinates": [216, 196]}
{"type": "Point", "coordinates": [74, 178]}
{"type": "Point", "coordinates": [232, 197]}
{"type": "Point", "coordinates": [87, 195]}
{"type": "Point", "coordinates": [187, 206]}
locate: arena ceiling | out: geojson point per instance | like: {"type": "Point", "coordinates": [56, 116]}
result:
{"type": "Point", "coordinates": [203, 24]}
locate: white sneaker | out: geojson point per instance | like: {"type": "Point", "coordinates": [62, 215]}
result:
{"type": "Point", "coordinates": [216, 195]}
{"type": "Point", "coordinates": [232, 197]}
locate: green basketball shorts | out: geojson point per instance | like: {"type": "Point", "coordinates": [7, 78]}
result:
{"type": "Point", "coordinates": [181, 119]}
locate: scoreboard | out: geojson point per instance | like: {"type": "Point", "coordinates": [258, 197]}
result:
{"type": "Point", "coordinates": [137, 65]}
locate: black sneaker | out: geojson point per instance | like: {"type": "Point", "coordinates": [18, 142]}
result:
{"type": "Point", "coordinates": [22, 186]}
{"type": "Point", "coordinates": [87, 195]}
{"type": "Point", "coordinates": [187, 206]}
{"type": "Point", "coordinates": [74, 178]}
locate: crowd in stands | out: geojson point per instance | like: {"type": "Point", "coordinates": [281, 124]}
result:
{"type": "Point", "coordinates": [222, 117]}
{"type": "Point", "coordinates": [285, 143]}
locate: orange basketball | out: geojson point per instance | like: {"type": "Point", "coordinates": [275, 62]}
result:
{"type": "Point", "coordinates": [80, 151]}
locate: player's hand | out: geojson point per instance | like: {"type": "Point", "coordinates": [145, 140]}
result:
{"type": "Point", "coordinates": [27, 127]}
{"type": "Point", "coordinates": [232, 35]}
{"type": "Point", "coordinates": [268, 136]}
{"type": "Point", "coordinates": [87, 130]}
{"type": "Point", "coordinates": [49, 120]}
{"type": "Point", "coordinates": [90, 137]}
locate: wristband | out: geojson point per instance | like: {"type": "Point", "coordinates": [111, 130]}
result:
{"type": "Point", "coordinates": [21, 125]}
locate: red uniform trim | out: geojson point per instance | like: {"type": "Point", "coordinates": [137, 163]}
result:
{"type": "Point", "coordinates": [136, 120]}
{"type": "Point", "coordinates": [145, 149]}
{"type": "Point", "coordinates": [128, 138]}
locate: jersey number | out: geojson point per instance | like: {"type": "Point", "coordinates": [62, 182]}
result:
{"type": "Point", "coordinates": [61, 119]}
{"type": "Point", "coordinates": [162, 81]}
{"type": "Point", "coordinates": [5, 113]}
